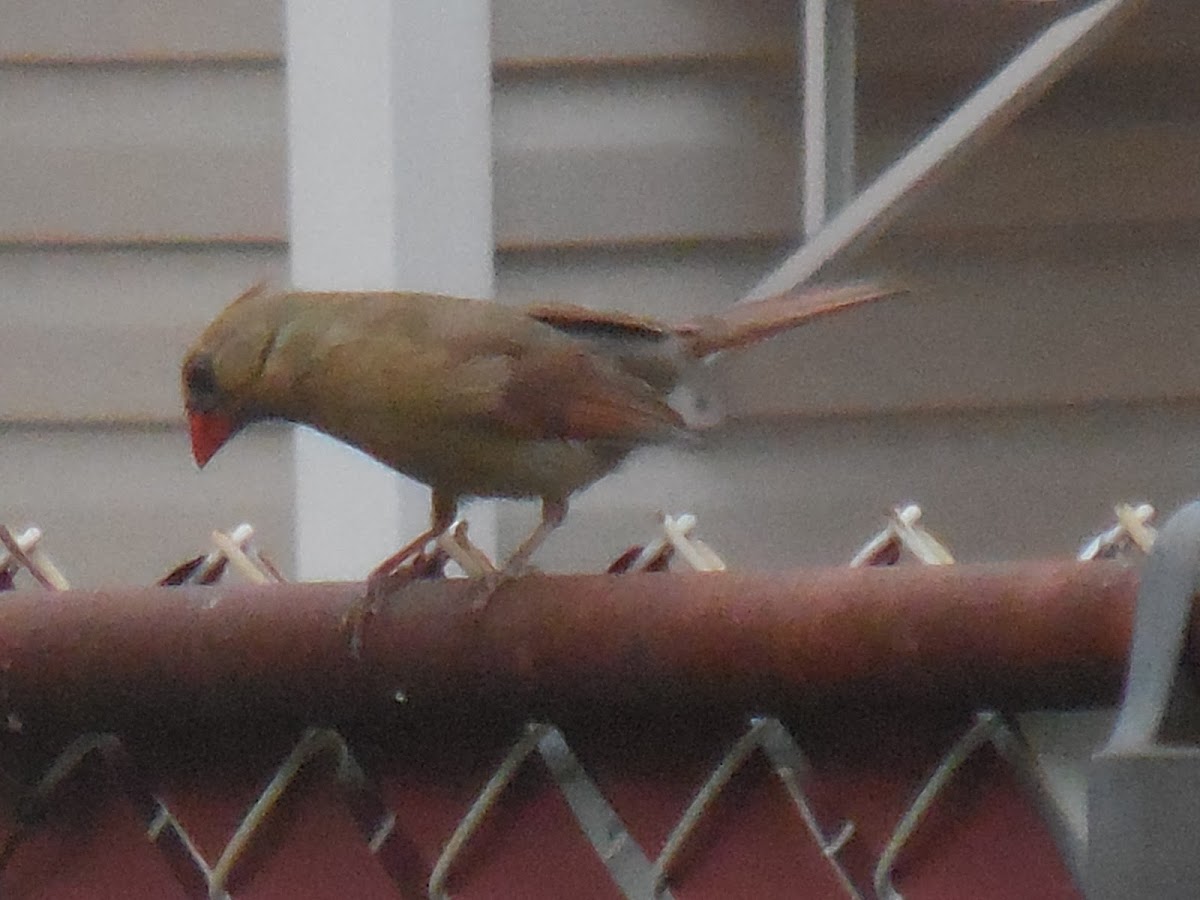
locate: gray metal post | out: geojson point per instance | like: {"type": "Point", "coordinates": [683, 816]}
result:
{"type": "Point", "coordinates": [828, 48]}
{"type": "Point", "coordinates": [1144, 796]}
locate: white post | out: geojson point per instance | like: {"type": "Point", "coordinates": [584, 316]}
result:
{"type": "Point", "coordinates": [389, 130]}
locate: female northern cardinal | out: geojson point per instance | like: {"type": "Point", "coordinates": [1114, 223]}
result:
{"type": "Point", "coordinates": [471, 397]}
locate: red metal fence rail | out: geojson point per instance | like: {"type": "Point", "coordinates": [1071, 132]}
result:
{"type": "Point", "coordinates": [981, 635]}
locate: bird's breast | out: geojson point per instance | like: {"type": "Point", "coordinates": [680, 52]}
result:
{"type": "Point", "coordinates": [483, 462]}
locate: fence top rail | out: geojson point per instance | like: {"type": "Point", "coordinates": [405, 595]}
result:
{"type": "Point", "coordinates": [1014, 635]}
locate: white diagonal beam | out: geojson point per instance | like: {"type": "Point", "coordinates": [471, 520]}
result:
{"type": "Point", "coordinates": [1011, 90]}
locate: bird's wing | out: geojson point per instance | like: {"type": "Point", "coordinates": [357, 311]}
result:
{"type": "Point", "coordinates": [584, 322]}
{"type": "Point", "coordinates": [567, 393]}
{"type": "Point", "coordinates": [467, 363]}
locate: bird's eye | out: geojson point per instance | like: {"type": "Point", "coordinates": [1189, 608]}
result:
{"type": "Point", "coordinates": [200, 381]}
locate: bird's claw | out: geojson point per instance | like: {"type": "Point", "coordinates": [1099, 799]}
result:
{"type": "Point", "coordinates": [381, 585]}
{"type": "Point", "coordinates": [485, 586]}
{"type": "Point", "coordinates": [364, 607]}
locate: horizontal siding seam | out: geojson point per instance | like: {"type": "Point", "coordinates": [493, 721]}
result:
{"type": "Point", "coordinates": [799, 417]}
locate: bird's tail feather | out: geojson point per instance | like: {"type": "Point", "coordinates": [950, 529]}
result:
{"type": "Point", "coordinates": [755, 320]}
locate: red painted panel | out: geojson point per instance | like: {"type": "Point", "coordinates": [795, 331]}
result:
{"type": "Point", "coordinates": [91, 845]}
{"type": "Point", "coordinates": [983, 839]}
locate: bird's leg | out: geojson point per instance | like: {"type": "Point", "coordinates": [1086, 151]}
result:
{"type": "Point", "coordinates": [433, 564]}
{"type": "Point", "coordinates": [392, 573]}
{"type": "Point", "coordinates": [410, 551]}
{"type": "Point", "coordinates": [553, 513]}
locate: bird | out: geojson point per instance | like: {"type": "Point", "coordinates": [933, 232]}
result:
{"type": "Point", "coordinates": [472, 397]}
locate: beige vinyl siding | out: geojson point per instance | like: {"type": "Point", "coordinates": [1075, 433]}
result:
{"type": "Point", "coordinates": [169, 31]}
{"type": "Point", "coordinates": [1017, 326]}
{"type": "Point", "coordinates": [200, 156]}
{"type": "Point", "coordinates": [124, 505]}
{"type": "Point", "coordinates": [592, 157]}
{"type": "Point", "coordinates": [645, 159]}
{"type": "Point", "coordinates": [1029, 484]}
{"type": "Point", "coordinates": [96, 335]}
{"type": "Point", "coordinates": [1037, 318]}
{"type": "Point", "coordinates": [894, 34]}
{"type": "Point", "coordinates": [142, 154]}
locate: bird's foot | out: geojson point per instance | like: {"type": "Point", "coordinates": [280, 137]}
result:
{"type": "Point", "coordinates": [638, 558]}
{"type": "Point", "coordinates": [381, 584]}
{"type": "Point", "coordinates": [428, 565]}
{"type": "Point", "coordinates": [484, 587]}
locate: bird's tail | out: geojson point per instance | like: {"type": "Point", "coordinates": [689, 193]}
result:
{"type": "Point", "coordinates": [755, 320]}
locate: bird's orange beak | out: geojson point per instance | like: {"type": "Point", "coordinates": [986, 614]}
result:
{"type": "Point", "coordinates": [210, 431]}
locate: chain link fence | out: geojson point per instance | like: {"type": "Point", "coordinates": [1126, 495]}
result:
{"type": "Point", "coordinates": [912, 805]}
